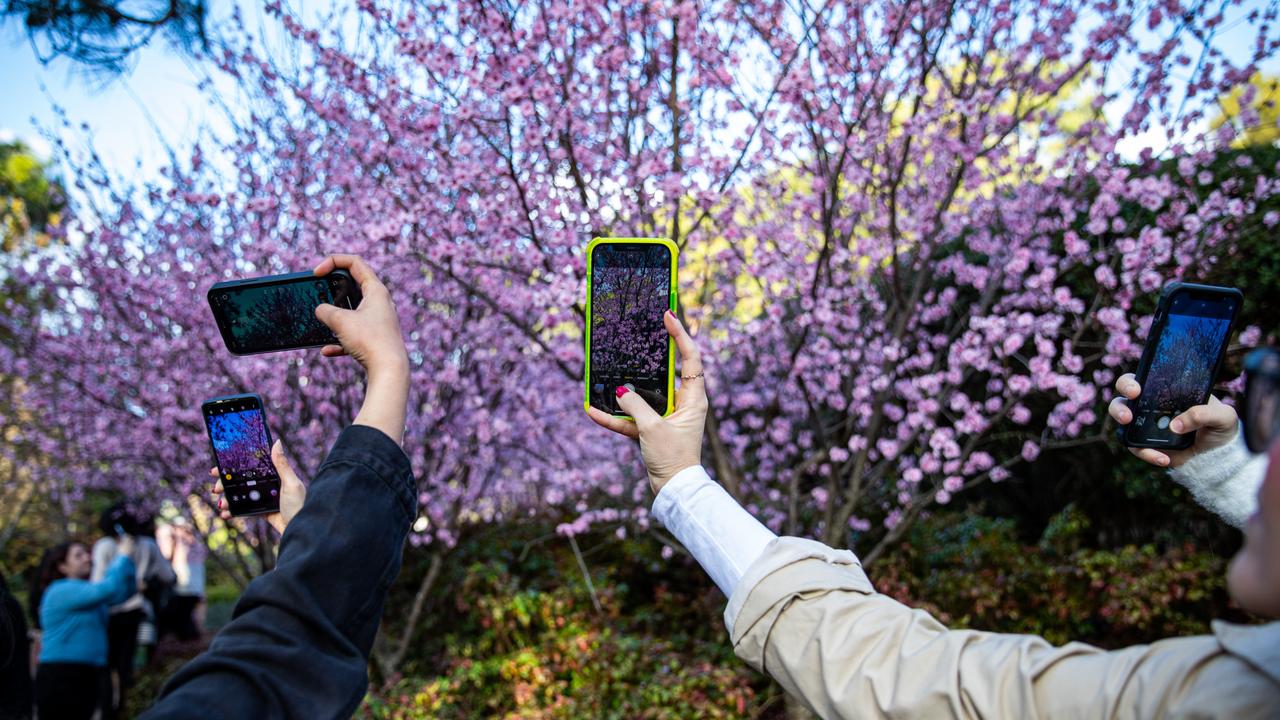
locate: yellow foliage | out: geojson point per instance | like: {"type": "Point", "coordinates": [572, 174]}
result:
{"type": "Point", "coordinates": [1265, 102]}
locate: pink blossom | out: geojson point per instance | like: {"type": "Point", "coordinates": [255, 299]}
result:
{"type": "Point", "coordinates": [471, 165]}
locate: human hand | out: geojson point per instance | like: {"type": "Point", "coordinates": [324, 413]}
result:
{"type": "Point", "coordinates": [671, 444]}
{"type": "Point", "coordinates": [292, 492]}
{"type": "Point", "coordinates": [370, 333]}
{"type": "Point", "coordinates": [1215, 424]}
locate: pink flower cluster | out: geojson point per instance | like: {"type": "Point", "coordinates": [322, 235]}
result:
{"type": "Point", "coordinates": [910, 263]}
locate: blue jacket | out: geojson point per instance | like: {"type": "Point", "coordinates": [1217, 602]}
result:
{"type": "Point", "coordinates": [298, 644]}
{"type": "Point", "coordinates": [73, 614]}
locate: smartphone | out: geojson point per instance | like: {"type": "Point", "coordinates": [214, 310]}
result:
{"type": "Point", "coordinates": [1184, 352]}
{"type": "Point", "coordinates": [278, 312]}
{"type": "Point", "coordinates": [631, 283]}
{"type": "Point", "coordinates": [237, 426]}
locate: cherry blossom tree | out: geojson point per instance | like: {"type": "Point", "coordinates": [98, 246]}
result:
{"type": "Point", "coordinates": [917, 238]}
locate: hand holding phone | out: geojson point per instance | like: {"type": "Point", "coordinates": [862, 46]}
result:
{"type": "Point", "coordinates": [277, 312]}
{"type": "Point", "coordinates": [241, 441]}
{"type": "Point", "coordinates": [371, 334]}
{"type": "Point", "coordinates": [293, 494]}
{"type": "Point", "coordinates": [672, 443]}
{"type": "Point", "coordinates": [1214, 423]}
{"type": "Point", "coordinates": [631, 283]}
{"type": "Point", "coordinates": [1184, 352]}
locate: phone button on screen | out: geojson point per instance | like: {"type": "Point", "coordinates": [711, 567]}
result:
{"type": "Point", "coordinates": [255, 495]}
{"type": "Point", "coordinates": [1163, 422]}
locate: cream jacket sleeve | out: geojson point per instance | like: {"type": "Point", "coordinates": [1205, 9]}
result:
{"type": "Point", "coordinates": [807, 615]}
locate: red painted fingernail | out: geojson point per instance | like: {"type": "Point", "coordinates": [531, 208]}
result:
{"type": "Point", "coordinates": [621, 391]}
{"type": "Point", "coordinates": [671, 313]}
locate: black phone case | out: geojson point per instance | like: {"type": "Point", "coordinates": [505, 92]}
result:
{"type": "Point", "coordinates": [266, 426]}
{"type": "Point", "coordinates": [344, 291]}
{"type": "Point", "coordinates": [1148, 355]}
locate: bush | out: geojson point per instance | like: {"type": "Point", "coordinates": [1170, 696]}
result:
{"type": "Point", "coordinates": [524, 640]}
{"type": "Point", "coordinates": [972, 571]}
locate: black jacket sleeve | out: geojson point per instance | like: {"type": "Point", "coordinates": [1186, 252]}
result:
{"type": "Point", "coordinates": [299, 641]}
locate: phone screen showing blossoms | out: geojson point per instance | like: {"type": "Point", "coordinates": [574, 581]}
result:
{"type": "Point", "coordinates": [1180, 376]}
{"type": "Point", "coordinates": [276, 316]}
{"type": "Point", "coordinates": [630, 291]}
{"type": "Point", "coordinates": [238, 431]}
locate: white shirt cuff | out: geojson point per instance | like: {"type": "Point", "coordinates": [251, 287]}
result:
{"type": "Point", "coordinates": [723, 537]}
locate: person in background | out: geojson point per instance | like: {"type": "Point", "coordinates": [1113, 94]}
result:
{"type": "Point", "coordinates": [157, 591]}
{"type": "Point", "coordinates": [128, 616]}
{"type": "Point", "coordinates": [16, 690]}
{"type": "Point", "coordinates": [73, 612]}
{"type": "Point", "coordinates": [807, 615]}
{"type": "Point", "coordinates": [186, 555]}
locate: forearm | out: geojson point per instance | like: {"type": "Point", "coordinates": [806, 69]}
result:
{"type": "Point", "coordinates": [1224, 480]}
{"type": "Point", "coordinates": [299, 642]}
{"type": "Point", "coordinates": [385, 400]}
{"type": "Point", "coordinates": [806, 615]}
{"type": "Point", "coordinates": [723, 537]}
{"type": "Point", "coordinates": [118, 584]}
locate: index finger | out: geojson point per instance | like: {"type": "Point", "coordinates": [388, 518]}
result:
{"type": "Point", "coordinates": [616, 424]}
{"type": "Point", "coordinates": [690, 362]}
{"type": "Point", "coordinates": [360, 270]}
{"type": "Point", "coordinates": [1128, 386]}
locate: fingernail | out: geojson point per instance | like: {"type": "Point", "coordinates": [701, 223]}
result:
{"type": "Point", "coordinates": [621, 391]}
{"type": "Point", "coordinates": [1176, 425]}
{"type": "Point", "coordinates": [671, 313]}
{"type": "Point", "coordinates": [1164, 461]}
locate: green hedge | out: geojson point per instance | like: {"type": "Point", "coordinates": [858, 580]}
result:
{"type": "Point", "coordinates": [973, 571]}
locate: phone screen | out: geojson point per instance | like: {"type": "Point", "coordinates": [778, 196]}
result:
{"type": "Point", "coordinates": [1192, 339]}
{"type": "Point", "coordinates": [630, 291]}
{"type": "Point", "coordinates": [272, 315]}
{"type": "Point", "coordinates": [242, 448]}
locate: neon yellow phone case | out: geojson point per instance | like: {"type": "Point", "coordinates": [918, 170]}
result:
{"type": "Point", "coordinates": [671, 302]}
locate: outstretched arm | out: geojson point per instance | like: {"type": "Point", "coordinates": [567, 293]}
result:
{"type": "Point", "coordinates": [808, 616]}
{"type": "Point", "coordinates": [299, 642]}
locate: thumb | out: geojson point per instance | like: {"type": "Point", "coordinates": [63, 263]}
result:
{"type": "Point", "coordinates": [331, 315]}
{"type": "Point", "coordinates": [635, 406]}
{"type": "Point", "coordinates": [287, 476]}
{"type": "Point", "coordinates": [1214, 416]}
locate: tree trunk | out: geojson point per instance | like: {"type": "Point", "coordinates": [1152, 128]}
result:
{"type": "Point", "coordinates": [388, 653]}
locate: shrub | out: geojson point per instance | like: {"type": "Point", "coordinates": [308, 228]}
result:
{"type": "Point", "coordinates": [530, 652]}
{"type": "Point", "coordinates": [972, 571]}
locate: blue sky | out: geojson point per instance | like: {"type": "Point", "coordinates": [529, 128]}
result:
{"type": "Point", "coordinates": [161, 86]}
{"type": "Point", "coordinates": [131, 118]}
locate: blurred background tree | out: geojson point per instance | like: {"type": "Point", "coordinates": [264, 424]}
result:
{"type": "Point", "coordinates": [1262, 95]}
{"type": "Point", "coordinates": [32, 199]}
{"type": "Point", "coordinates": [102, 35]}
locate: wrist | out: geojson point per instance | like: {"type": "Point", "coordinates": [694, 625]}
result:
{"type": "Point", "coordinates": [656, 483]}
{"type": "Point", "coordinates": [389, 370]}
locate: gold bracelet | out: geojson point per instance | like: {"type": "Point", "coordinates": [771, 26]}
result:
{"type": "Point", "coordinates": [690, 377]}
